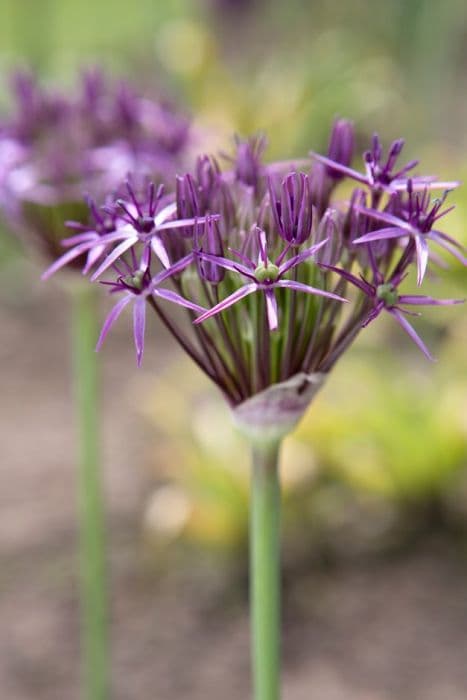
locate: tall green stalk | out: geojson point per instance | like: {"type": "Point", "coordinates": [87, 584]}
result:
{"type": "Point", "coordinates": [90, 500]}
{"type": "Point", "coordinates": [265, 571]}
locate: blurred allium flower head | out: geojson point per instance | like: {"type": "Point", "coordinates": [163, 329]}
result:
{"type": "Point", "coordinates": [55, 147]}
{"type": "Point", "coordinates": [275, 274]}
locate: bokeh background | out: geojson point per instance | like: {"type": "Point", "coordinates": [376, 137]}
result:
{"type": "Point", "coordinates": [375, 479]}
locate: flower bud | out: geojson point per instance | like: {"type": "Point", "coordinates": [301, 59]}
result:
{"type": "Point", "coordinates": [292, 213]}
{"type": "Point", "coordinates": [208, 240]}
{"type": "Point", "coordinates": [248, 164]}
{"type": "Point", "coordinates": [329, 228]}
{"type": "Point", "coordinates": [341, 146]}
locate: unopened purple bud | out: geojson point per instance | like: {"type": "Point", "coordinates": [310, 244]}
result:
{"type": "Point", "coordinates": [207, 173]}
{"type": "Point", "coordinates": [208, 240]}
{"type": "Point", "coordinates": [292, 211]}
{"type": "Point", "coordinates": [329, 229]}
{"type": "Point", "coordinates": [341, 146]}
{"type": "Point", "coordinates": [356, 223]}
{"type": "Point", "coordinates": [187, 199]}
{"type": "Point", "coordinates": [376, 148]}
{"type": "Point", "coordinates": [394, 152]}
{"type": "Point", "coordinates": [248, 165]}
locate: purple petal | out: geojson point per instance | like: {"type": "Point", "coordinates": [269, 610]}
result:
{"type": "Point", "coordinates": [227, 264]}
{"type": "Point", "coordinates": [425, 183]}
{"type": "Point", "coordinates": [228, 301]}
{"type": "Point", "coordinates": [419, 300]}
{"type": "Point", "coordinates": [177, 299]}
{"type": "Point", "coordinates": [422, 257]}
{"type": "Point", "coordinates": [381, 235]}
{"type": "Point", "coordinates": [449, 239]}
{"type": "Point", "coordinates": [411, 332]}
{"type": "Point", "coordinates": [65, 259]}
{"type": "Point", "coordinates": [271, 309]}
{"type": "Point", "coordinates": [354, 174]}
{"type": "Point", "coordinates": [390, 219]}
{"type": "Point", "coordinates": [160, 251]}
{"type": "Point", "coordinates": [449, 244]}
{"type": "Point", "coordinates": [139, 324]}
{"type": "Point", "coordinates": [114, 255]}
{"type": "Point", "coordinates": [361, 284]}
{"type": "Point", "coordinates": [297, 259]}
{"type": "Point", "coordinates": [173, 270]}
{"type": "Point", "coordinates": [164, 214]}
{"type": "Point", "coordinates": [93, 256]}
{"type": "Point", "coordinates": [240, 255]}
{"type": "Point", "coordinates": [263, 253]}
{"type": "Point", "coordinates": [80, 238]}
{"type": "Point", "coordinates": [145, 259]}
{"type": "Point", "coordinates": [182, 223]}
{"type": "Point", "coordinates": [112, 317]}
{"type": "Point", "coordinates": [300, 287]}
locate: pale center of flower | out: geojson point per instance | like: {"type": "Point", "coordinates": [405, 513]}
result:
{"type": "Point", "coordinates": [388, 294]}
{"type": "Point", "coordinates": [135, 280]}
{"type": "Point", "coordinates": [267, 273]}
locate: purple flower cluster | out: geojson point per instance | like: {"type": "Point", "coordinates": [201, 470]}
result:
{"type": "Point", "coordinates": [55, 148]}
{"type": "Point", "coordinates": [276, 274]}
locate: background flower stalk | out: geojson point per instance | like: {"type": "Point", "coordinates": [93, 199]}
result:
{"type": "Point", "coordinates": [54, 149]}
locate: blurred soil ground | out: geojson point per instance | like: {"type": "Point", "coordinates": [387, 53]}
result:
{"type": "Point", "coordinates": [376, 629]}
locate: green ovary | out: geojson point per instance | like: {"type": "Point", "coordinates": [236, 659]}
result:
{"type": "Point", "coordinates": [388, 294]}
{"type": "Point", "coordinates": [267, 273]}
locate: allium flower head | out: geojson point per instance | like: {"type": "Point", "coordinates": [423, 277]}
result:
{"type": "Point", "coordinates": [265, 274]}
{"type": "Point", "coordinates": [59, 147]}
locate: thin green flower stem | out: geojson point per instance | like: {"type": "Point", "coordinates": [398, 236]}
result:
{"type": "Point", "coordinates": [210, 348]}
{"type": "Point", "coordinates": [94, 604]}
{"type": "Point", "coordinates": [289, 325]}
{"type": "Point", "coordinates": [185, 343]}
{"type": "Point", "coordinates": [265, 571]}
{"type": "Point", "coordinates": [314, 334]}
{"type": "Point", "coordinates": [235, 354]}
{"type": "Point", "coordinates": [262, 340]}
{"type": "Point", "coordinates": [347, 335]}
{"type": "Point", "coordinates": [309, 319]}
{"type": "Point", "coordinates": [212, 351]}
{"type": "Point", "coordinates": [327, 328]}
{"type": "Point", "coordinates": [276, 341]}
{"type": "Point", "coordinates": [238, 331]}
{"type": "Point", "coordinates": [312, 309]}
{"type": "Point", "coordinates": [255, 367]}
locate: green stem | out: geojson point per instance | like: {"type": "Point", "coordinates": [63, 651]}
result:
{"type": "Point", "coordinates": [265, 571]}
{"type": "Point", "coordinates": [90, 500]}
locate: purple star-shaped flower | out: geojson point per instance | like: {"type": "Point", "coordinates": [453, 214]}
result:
{"type": "Point", "coordinates": [137, 223]}
{"type": "Point", "coordinates": [384, 296]}
{"type": "Point", "coordinates": [416, 221]}
{"type": "Point", "coordinates": [265, 276]}
{"type": "Point", "coordinates": [380, 175]}
{"type": "Point", "coordinates": [137, 285]}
